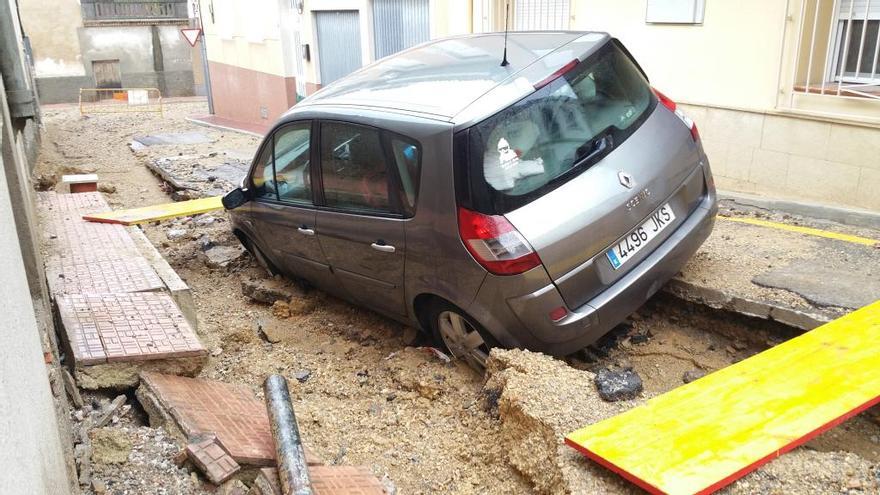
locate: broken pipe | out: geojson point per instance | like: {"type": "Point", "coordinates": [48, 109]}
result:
{"type": "Point", "coordinates": [292, 468]}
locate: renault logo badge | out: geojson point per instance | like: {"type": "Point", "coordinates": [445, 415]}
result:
{"type": "Point", "coordinates": [626, 180]}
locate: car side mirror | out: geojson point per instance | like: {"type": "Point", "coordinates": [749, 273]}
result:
{"type": "Point", "coordinates": [235, 198]}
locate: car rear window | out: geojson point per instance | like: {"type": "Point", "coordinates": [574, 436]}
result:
{"type": "Point", "coordinates": [558, 131]}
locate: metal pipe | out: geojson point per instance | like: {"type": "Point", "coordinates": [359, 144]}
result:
{"type": "Point", "coordinates": [205, 66]}
{"type": "Point", "coordinates": [292, 467]}
{"type": "Point", "coordinates": [797, 54]}
{"type": "Point", "coordinates": [785, 21]}
{"type": "Point", "coordinates": [862, 42]}
{"type": "Point", "coordinates": [830, 54]}
{"type": "Point", "coordinates": [812, 46]}
{"type": "Point", "coordinates": [846, 33]}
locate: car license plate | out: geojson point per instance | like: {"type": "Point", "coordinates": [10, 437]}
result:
{"type": "Point", "coordinates": [640, 236]}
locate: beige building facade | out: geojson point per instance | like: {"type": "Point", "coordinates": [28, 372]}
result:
{"type": "Point", "coordinates": [786, 93]}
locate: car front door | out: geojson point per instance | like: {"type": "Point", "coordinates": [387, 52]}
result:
{"type": "Point", "coordinates": [363, 208]}
{"type": "Point", "coordinates": [283, 209]}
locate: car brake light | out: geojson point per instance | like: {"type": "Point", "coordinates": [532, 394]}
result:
{"type": "Point", "coordinates": [495, 243]}
{"type": "Point", "coordinates": [556, 75]}
{"type": "Point", "coordinates": [695, 134]}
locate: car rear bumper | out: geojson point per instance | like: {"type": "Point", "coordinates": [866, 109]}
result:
{"type": "Point", "coordinates": [523, 320]}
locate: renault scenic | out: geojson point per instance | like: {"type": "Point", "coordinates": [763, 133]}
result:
{"type": "Point", "coordinates": [533, 200]}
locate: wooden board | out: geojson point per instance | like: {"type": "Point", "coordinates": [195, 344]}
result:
{"type": "Point", "coordinates": [157, 212]}
{"type": "Point", "coordinates": [706, 434]}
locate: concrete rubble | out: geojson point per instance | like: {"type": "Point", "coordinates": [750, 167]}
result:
{"type": "Point", "coordinates": [270, 290]}
{"type": "Point", "coordinates": [539, 400]}
{"type": "Point", "coordinates": [615, 385]}
{"type": "Point", "coordinates": [109, 446]}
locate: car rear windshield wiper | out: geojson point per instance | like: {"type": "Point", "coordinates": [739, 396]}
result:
{"type": "Point", "coordinates": [600, 144]}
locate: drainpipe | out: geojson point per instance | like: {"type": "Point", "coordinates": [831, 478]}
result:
{"type": "Point", "coordinates": [205, 69]}
{"type": "Point", "coordinates": [19, 95]}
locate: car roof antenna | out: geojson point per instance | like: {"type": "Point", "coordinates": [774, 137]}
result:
{"type": "Point", "coordinates": [504, 62]}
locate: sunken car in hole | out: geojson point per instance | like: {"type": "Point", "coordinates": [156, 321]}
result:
{"type": "Point", "coordinates": [535, 204]}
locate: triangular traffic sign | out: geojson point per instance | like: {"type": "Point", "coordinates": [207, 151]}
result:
{"type": "Point", "coordinates": [191, 35]}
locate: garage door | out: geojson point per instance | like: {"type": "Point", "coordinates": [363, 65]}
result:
{"type": "Point", "coordinates": [339, 43]}
{"type": "Point", "coordinates": [399, 24]}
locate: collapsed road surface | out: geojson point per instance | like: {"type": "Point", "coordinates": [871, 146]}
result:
{"type": "Point", "coordinates": [364, 392]}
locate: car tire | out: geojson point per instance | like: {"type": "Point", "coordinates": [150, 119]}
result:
{"type": "Point", "coordinates": [460, 335]}
{"type": "Point", "coordinates": [258, 255]}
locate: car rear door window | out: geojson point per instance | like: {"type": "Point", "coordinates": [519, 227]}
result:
{"type": "Point", "coordinates": [407, 159]}
{"type": "Point", "coordinates": [292, 163]}
{"type": "Point", "coordinates": [263, 178]}
{"type": "Point", "coordinates": [559, 130]}
{"type": "Point", "coordinates": [353, 168]}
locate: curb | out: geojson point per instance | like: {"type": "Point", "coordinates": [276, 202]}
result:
{"type": "Point", "coordinates": [223, 127]}
{"type": "Point", "coordinates": [715, 299]}
{"type": "Point", "coordinates": [847, 216]}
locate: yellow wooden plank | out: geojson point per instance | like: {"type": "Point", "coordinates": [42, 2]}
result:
{"type": "Point", "coordinates": [158, 212]}
{"type": "Point", "coordinates": [704, 435]}
{"type": "Point", "coordinates": [804, 230]}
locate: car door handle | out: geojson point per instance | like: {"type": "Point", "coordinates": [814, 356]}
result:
{"type": "Point", "coordinates": [306, 231]}
{"type": "Point", "coordinates": [385, 248]}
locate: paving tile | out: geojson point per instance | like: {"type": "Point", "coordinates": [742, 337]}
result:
{"type": "Point", "coordinates": [231, 412]}
{"type": "Point", "coordinates": [329, 480]}
{"type": "Point", "coordinates": [89, 202]}
{"type": "Point", "coordinates": [83, 274]}
{"type": "Point", "coordinates": [212, 459]}
{"type": "Point", "coordinates": [344, 480]}
{"type": "Point", "coordinates": [125, 327]}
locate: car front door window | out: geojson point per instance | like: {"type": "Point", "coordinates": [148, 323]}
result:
{"type": "Point", "coordinates": [353, 168]}
{"type": "Point", "coordinates": [263, 178]}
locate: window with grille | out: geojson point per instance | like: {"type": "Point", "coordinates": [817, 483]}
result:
{"type": "Point", "coordinates": [856, 46]}
{"type": "Point", "coordinates": [540, 15]}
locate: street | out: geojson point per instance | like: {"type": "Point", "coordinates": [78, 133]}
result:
{"type": "Point", "coordinates": [367, 393]}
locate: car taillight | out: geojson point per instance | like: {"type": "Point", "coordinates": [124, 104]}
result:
{"type": "Point", "coordinates": [495, 243]}
{"type": "Point", "coordinates": [678, 113]}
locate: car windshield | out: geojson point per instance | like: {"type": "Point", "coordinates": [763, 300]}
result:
{"type": "Point", "coordinates": [562, 128]}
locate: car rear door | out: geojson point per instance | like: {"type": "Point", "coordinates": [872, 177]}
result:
{"type": "Point", "coordinates": [360, 220]}
{"type": "Point", "coordinates": [284, 210]}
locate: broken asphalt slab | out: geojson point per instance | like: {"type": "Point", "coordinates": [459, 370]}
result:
{"type": "Point", "coordinates": [799, 280]}
{"type": "Point", "coordinates": [848, 278]}
{"type": "Point", "coordinates": [189, 137]}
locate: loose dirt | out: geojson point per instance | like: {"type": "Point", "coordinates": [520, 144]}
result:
{"type": "Point", "coordinates": [361, 396]}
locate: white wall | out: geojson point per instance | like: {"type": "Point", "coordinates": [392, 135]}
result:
{"type": "Point", "coordinates": [30, 445]}
{"type": "Point", "coordinates": [731, 60]}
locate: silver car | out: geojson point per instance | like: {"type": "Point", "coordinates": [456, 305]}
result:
{"type": "Point", "coordinates": [534, 202]}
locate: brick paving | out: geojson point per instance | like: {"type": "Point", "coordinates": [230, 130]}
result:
{"type": "Point", "coordinates": [89, 202]}
{"type": "Point", "coordinates": [69, 237]}
{"type": "Point", "coordinates": [344, 480]}
{"type": "Point", "coordinates": [107, 293]}
{"type": "Point", "coordinates": [329, 480]}
{"type": "Point", "coordinates": [107, 328]}
{"type": "Point", "coordinates": [231, 412]}
{"type": "Point", "coordinates": [79, 274]}
{"type": "Point", "coordinates": [212, 458]}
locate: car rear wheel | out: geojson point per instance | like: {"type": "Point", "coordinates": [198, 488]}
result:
{"type": "Point", "coordinates": [463, 337]}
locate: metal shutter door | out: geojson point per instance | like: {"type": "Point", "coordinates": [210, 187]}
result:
{"type": "Point", "coordinates": [339, 43]}
{"type": "Point", "coordinates": [400, 24]}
